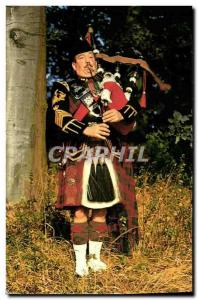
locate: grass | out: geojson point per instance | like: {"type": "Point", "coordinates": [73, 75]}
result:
{"type": "Point", "coordinates": [37, 263]}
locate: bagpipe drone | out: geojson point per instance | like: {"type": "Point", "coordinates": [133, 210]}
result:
{"type": "Point", "coordinates": [137, 76]}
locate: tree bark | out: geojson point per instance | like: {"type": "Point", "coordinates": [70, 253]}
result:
{"type": "Point", "coordinates": [26, 100]}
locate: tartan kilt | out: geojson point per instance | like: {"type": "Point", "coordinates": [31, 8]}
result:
{"type": "Point", "coordinates": [70, 193]}
{"type": "Point", "coordinates": [70, 184]}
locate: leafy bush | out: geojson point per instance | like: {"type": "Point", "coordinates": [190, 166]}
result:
{"type": "Point", "coordinates": [170, 149]}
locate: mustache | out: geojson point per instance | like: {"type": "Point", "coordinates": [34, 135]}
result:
{"type": "Point", "coordinates": [89, 66]}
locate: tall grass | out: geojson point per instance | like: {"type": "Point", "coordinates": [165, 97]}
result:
{"type": "Point", "coordinates": [39, 263]}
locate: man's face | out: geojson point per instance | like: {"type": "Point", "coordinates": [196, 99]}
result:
{"type": "Point", "coordinates": [85, 64]}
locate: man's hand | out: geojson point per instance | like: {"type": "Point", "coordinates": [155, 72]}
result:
{"type": "Point", "coordinates": [100, 131]}
{"type": "Point", "coordinates": [112, 116]}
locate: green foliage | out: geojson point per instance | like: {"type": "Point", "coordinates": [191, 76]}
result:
{"type": "Point", "coordinates": [170, 150]}
{"type": "Point", "coordinates": [180, 128]}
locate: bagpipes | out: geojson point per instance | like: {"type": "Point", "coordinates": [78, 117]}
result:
{"type": "Point", "coordinates": [111, 94]}
{"type": "Point", "coordinates": [110, 81]}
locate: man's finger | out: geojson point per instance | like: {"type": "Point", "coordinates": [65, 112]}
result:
{"type": "Point", "coordinates": [108, 113]}
{"type": "Point", "coordinates": [109, 119]}
{"type": "Point", "coordinates": [104, 129]}
{"type": "Point", "coordinates": [104, 133]}
{"type": "Point", "coordinates": [101, 137]}
{"type": "Point", "coordinates": [102, 125]}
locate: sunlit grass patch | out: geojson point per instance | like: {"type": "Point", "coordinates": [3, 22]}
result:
{"type": "Point", "coordinates": [39, 263]}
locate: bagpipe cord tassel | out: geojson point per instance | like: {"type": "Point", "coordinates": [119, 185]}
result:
{"type": "Point", "coordinates": [143, 97]}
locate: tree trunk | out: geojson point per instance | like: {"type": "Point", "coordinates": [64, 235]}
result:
{"type": "Point", "coordinates": [26, 100]}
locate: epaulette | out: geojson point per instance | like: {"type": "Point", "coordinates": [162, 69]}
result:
{"type": "Point", "coordinates": [60, 88]}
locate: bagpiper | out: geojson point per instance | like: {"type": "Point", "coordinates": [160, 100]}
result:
{"type": "Point", "coordinates": [94, 116]}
